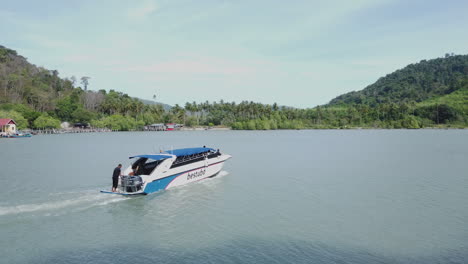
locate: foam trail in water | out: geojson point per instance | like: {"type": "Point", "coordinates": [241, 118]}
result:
{"type": "Point", "coordinates": [213, 181]}
{"type": "Point", "coordinates": [222, 174]}
{"type": "Point", "coordinates": [85, 199]}
{"type": "Point", "coordinates": [206, 180]}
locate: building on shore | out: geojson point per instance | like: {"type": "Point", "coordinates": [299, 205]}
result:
{"type": "Point", "coordinates": [163, 127]}
{"type": "Point", "coordinates": [170, 126]}
{"type": "Point", "coordinates": [173, 126]}
{"type": "Point", "coordinates": [7, 126]}
{"type": "Point", "coordinates": [81, 125]}
{"type": "Point", "coordinates": [155, 127]}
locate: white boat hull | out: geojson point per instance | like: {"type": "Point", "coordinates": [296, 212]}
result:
{"type": "Point", "coordinates": [164, 177]}
{"type": "Point", "coordinates": [196, 174]}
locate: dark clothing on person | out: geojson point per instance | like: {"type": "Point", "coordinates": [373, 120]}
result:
{"type": "Point", "coordinates": [115, 182]}
{"type": "Point", "coordinates": [115, 177]}
{"type": "Point", "coordinates": [116, 173]}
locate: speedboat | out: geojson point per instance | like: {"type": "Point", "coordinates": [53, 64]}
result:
{"type": "Point", "coordinates": [150, 173]}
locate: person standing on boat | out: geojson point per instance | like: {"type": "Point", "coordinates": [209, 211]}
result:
{"type": "Point", "coordinates": [115, 177]}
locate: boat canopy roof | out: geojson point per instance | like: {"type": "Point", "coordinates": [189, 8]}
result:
{"type": "Point", "coordinates": [152, 156]}
{"type": "Point", "coordinates": [176, 152]}
{"type": "Point", "coordinates": [188, 151]}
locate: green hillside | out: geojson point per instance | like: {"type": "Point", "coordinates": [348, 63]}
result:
{"type": "Point", "coordinates": [414, 83]}
{"type": "Point", "coordinates": [429, 93]}
{"type": "Point", "coordinates": [38, 98]}
{"type": "Point", "coordinates": [457, 99]}
{"type": "Point", "coordinates": [25, 83]}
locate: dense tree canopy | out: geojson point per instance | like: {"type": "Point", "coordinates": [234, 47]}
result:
{"type": "Point", "coordinates": [414, 83]}
{"type": "Point", "coordinates": [429, 93]}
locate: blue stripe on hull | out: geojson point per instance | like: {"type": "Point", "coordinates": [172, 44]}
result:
{"type": "Point", "coordinates": [158, 185]}
{"type": "Point", "coordinates": [161, 184]}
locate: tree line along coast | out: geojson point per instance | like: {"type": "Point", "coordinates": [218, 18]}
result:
{"type": "Point", "coordinates": [431, 93]}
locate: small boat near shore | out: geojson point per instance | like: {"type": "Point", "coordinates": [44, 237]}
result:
{"type": "Point", "coordinates": [150, 173]}
{"type": "Point", "coordinates": [17, 135]}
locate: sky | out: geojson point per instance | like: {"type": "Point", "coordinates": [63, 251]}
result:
{"type": "Point", "coordinates": [295, 53]}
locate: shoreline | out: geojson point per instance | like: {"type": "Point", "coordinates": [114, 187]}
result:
{"type": "Point", "coordinates": [79, 131]}
{"type": "Point", "coordinates": [218, 128]}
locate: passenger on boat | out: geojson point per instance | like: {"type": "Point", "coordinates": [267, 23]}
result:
{"type": "Point", "coordinates": [135, 169]}
{"type": "Point", "coordinates": [115, 177]}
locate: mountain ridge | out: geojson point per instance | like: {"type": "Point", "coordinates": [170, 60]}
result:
{"type": "Point", "coordinates": [414, 83]}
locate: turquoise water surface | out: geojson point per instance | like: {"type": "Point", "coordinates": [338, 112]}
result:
{"type": "Point", "coordinates": [307, 196]}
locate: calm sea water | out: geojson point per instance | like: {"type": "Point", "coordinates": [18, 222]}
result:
{"type": "Point", "coordinates": [357, 196]}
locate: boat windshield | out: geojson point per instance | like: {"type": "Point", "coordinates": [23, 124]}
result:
{"type": "Point", "coordinates": [145, 166]}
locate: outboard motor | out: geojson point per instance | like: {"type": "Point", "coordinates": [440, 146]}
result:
{"type": "Point", "coordinates": [131, 183]}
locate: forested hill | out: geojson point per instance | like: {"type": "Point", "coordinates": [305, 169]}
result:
{"type": "Point", "coordinates": [414, 83]}
{"type": "Point", "coordinates": [25, 83]}
{"type": "Point", "coordinates": [431, 93]}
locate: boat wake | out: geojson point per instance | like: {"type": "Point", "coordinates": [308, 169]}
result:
{"type": "Point", "coordinates": [222, 174]}
{"type": "Point", "coordinates": [209, 181]}
{"type": "Point", "coordinates": [62, 203]}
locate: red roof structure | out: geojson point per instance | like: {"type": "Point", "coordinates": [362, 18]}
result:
{"type": "Point", "coordinates": [7, 121]}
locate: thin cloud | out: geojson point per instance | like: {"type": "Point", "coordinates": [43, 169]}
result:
{"type": "Point", "coordinates": [191, 67]}
{"type": "Point", "coordinates": [47, 41]}
{"type": "Point", "coordinates": [144, 10]}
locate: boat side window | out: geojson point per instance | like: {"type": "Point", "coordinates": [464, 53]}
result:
{"type": "Point", "coordinates": [184, 160]}
{"type": "Point", "coordinates": [149, 166]}
{"type": "Point", "coordinates": [138, 165]}
{"type": "Point", "coordinates": [139, 161]}
{"type": "Point", "coordinates": [145, 166]}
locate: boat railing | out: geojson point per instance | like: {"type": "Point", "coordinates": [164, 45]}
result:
{"type": "Point", "coordinates": [184, 160]}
